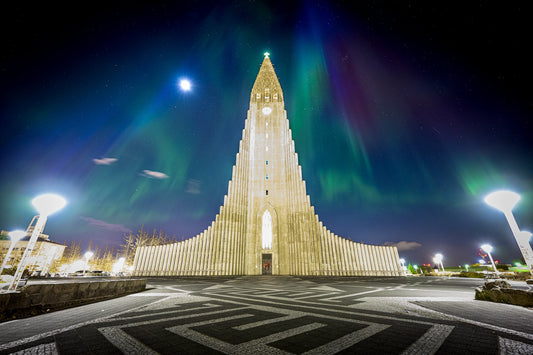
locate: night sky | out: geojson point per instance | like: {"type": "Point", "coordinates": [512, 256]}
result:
{"type": "Point", "coordinates": [404, 115]}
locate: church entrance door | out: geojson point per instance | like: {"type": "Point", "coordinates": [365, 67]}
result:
{"type": "Point", "coordinates": [266, 264]}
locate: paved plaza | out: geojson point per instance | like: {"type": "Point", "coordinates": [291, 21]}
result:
{"type": "Point", "coordinates": [282, 315]}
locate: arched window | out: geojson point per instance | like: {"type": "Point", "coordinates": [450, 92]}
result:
{"type": "Point", "coordinates": [266, 234]}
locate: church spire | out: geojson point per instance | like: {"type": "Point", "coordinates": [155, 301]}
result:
{"type": "Point", "coordinates": [266, 87]}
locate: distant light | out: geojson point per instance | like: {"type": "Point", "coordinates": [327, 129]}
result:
{"type": "Point", "coordinates": [481, 261]}
{"type": "Point", "coordinates": [487, 248]}
{"type": "Point", "coordinates": [48, 203]}
{"type": "Point", "coordinates": [502, 200]}
{"type": "Point", "coordinates": [438, 258]}
{"type": "Point", "coordinates": [518, 264]}
{"type": "Point", "coordinates": [185, 85]}
{"type": "Point", "coordinates": [88, 255]}
{"type": "Point", "coordinates": [267, 54]}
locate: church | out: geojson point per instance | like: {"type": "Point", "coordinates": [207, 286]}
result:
{"type": "Point", "coordinates": [267, 225]}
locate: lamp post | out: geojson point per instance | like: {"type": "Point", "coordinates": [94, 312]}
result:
{"type": "Point", "coordinates": [87, 256]}
{"type": "Point", "coordinates": [46, 205]}
{"type": "Point", "coordinates": [487, 249]}
{"type": "Point", "coordinates": [438, 260]}
{"type": "Point", "coordinates": [505, 201]}
{"type": "Point", "coordinates": [15, 236]}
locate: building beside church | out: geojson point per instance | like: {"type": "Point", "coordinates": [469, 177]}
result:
{"type": "Point", "coordinates": [267, 224]}
{"type": "Point", "coordinates": [45, 252]}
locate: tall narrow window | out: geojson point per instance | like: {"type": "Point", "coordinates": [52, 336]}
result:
{"type": "Point", "coordinates": [266, 178]}
{"type": "Point", "coordinates": [266, 234]}
{"type": "Point", "coordinates": [266, 162]}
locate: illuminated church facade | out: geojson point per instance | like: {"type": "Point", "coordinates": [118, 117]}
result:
{"type": "Point", "coordinates": [267, 224]}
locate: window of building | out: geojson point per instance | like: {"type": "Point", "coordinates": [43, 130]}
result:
{"type": "Point", "coordinates": [258, 95]}
{"type": "Point", "coordinates": [266, 192]}
{"type": "Point", "coordinates": [275, 96]}
{"type": "Point", "coordinates": [266, 177]}
{"type": "Point", "coordinates": [267, 135]}
{"type": "Point", "coordinates": [266, 148]}
{"type": "Point", "coordinates": [266, 233]}
{"type": "Point", "coordinates": [266, 163]}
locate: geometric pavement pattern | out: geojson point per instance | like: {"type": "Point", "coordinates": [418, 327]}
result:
{"type": "Point", "coordinates": [295, 316]}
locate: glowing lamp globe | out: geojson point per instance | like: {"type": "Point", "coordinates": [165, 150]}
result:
{"type": "Point", "coordinates": [17, 235]}
{"type": "Point", "coordinates": [48, 203]}
{"type": "Point", "coordinates": [438, 258]}
{"type": "Point", "coordinates": [88, 255]}
{"type": "Point", "coordinates": [502, 200]}
{"type": "Point", "coordinates": [487, 248]}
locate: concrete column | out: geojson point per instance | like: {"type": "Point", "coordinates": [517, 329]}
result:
{"type": "Point", "coordinates": [162, 270]}
{"type": "Point", "coordinates": [208, 260]}
{"type": "Point", "coordinates": [224, 236]}
{"type": "Point", "coordinates": [362, 256]}
{"type": "Point", "coordinates": [332, 266]}
{"type": "Point", "coordinates": [203, 264]}
{"type": "Point", "coordinates": [181, 256]}
{"type": "Point", "coordinates": [354, 259]}
{"type": "Point", "coordinates": [349, 255]}
{"type": "Point", "coordinates": [198, 255]}
{"type": "Point", "coordinates": [381, 261]}
{"type": "Point", "coordinates": [173, 260]}
{"type": "Point", "coordinates": [149, 259]}
{"type": "Point", "coordinates": [366, 263]}
{"type": "Point", "coordinates": [140, 256]}
{"type": "Point", "coordinates": [374, 259]}
{"type": "Point", "coordinates": [346, 260]}
{"type": "Point", "coordinates": [154, 257]}
{"type": "Point", "coordinates": [396, 257]}
{"type": "Point", "coordinates": [187, 257]}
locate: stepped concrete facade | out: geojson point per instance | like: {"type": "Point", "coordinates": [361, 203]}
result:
{"type": "Point", "coordinates": [267, 224]}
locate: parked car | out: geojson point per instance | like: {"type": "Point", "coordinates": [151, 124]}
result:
{"type": "Point", "coordinates": [97, 273]}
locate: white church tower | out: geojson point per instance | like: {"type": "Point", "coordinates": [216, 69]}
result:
{"type": "Point", "coordinates": [267, 224]}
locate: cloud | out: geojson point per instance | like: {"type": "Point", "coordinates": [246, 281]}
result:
{"type": "Point", "coordinates": [104, 161]}
{"type": "Point", "coordinates": [193, 187]}
{"type": "Point", "coordinates": [105, 225]}
{"type": "Point", "coordinates": [403, 245]}
{"type": "Point", "coordinates": [154, 174]}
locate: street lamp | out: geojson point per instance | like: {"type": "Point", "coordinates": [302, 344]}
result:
{"type": "Point", "coordinates": [505, 201]}
{"type": "Point", "coordinates": [467, 266]}
{"type": "Point", "coordinates": [15, 236]}
{"type": "Point", "coordinates": [487, 248]}
{"type": "Point", "coordinates": [46, 205]}
{"type": "Point", "coordinates": [87, 256]}
{"type": "Point", "coordinates": [438, 260]}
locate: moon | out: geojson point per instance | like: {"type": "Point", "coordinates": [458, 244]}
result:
{"type": "Point", "coordinates": [185, 85]}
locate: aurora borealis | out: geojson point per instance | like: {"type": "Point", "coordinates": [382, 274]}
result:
{"type": "Point", "coordinates": [404, 116]}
